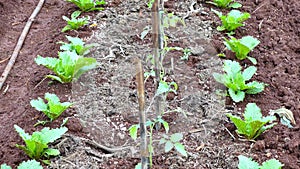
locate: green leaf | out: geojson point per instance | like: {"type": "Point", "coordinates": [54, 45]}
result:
{"type": "Point", "coordinates": [51, 152]}
{"type": "Point", "coordinates": [30, 164]}
{"type": "Point", "coordinates": [47, 62]}
{"type": "Point", "coordinates": [176, 137]}
{"type": "Point", "coordinates": [5, 166]}
{"type": "Point", "coordinates": [247, 163]}
{"type": "Point", "coordinates": [236, 96]}
{"type": "Point", "coordinates": [133, 131]}
{"type": "Point", "coordinates": [249, 72]}
{"type": "Point", "coordinates": [253, 60]}
{"type": "Point", "coordinates": [83, 65]}
{"type": "Point", "coordinates": [168, 146]}
{"type": "Point", "coordinates": [252, 112]}
{"type": "Point", "coordinates": [47, 135]}
{"type": "Point", "coordinates": [55, 78]}
{"type": "Point", "coordinates": [138, 166]}
{"type": "Point", "coordinates": [271, 164]}
{"type": "Point", "coordinates": [255, 87]}
{"type": "Point", "coordinates": [249, 42]}
{"type": "Point", "coordinates": [238, 122]}
{"type": "Point", "coordinates": [75, 14]}
{"type": "Point", "coordinates": [39, 105]}
{"type": "Point", "coordinates": [165, 124]}
{"type": "Point", "coordinates": [162, 141]}
{"type": "Point", "coordinates": [180, 148]}
{"type": "Point", "coordinates": [235, 5]}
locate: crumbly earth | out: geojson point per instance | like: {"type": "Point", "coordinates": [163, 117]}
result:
{"type": "Point", "coordinates": [106, 100]}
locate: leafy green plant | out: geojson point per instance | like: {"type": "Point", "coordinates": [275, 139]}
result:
{"type": "Point", "coordinates": [74, 23]}
{"type": "Point", "coordinates": [30, 164]}
{"type": "Point", "coordinates": [53, 108]}
{"type": "Point", "coordinates": [235, 80]}
{"type": "Point", "coordinates": [247, 163]}
{"type": "Point", "coordinates": [186, 53]}
{"type": "Point", "coordinates": [253, 124]}
{"type": "Point", "coordinates": [68, 66]}
{"type": "Point", "coordinates": [173, 141]}
{"type": "Point", "coordinates": [88, 5]}
{"type": "Point", "coordinates": [76, 44]}
{"type": "Point", "coordinates": [241, 47]}
{"type": "Point", "coordinates": [170, 142]}
{"type": "Point", "coordinates": [36, 145]}
{"type": "Point", "coordinates": [166, 87]}
{"type": "Point", "coordinates": [225, 3]}
{"type": "Point", "coordinates": [232, 21]}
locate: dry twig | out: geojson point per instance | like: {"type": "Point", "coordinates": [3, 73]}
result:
{"type": "Point", "coordinates": [20, 43]}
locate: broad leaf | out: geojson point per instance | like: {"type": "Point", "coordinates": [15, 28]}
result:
{"type": "Point", "coordinates": [247, 163]}
{"type": "Point", "coordinates": [236, 96]}
{"type": "Point", "coordinates": [180, 148]}
{"type": "Point", "coordinates": [176, 137]}
{"type": "Point", "coordinates": [249, 72]}
{"type": "Point", "coordinates": [30, 164]}
{"type": "Point", "coordinates": [168, 146]}
{"type": "Point", "coordinates": [271, 164]}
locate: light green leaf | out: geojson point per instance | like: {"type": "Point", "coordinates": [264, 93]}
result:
{"type": "Point", "coordinates": [176, 137]}
{"type": "Point", "coordinates": [236, 96]}
{"type": "Point", "coordinates": [133, 131]}
{"type": "Point", "coordinates": [138, 166]}
{"type": "Point", "coordinates": [30, 164]}
{"type": "Point", "coordinates": [168, 146]}
{"type": "Point", "coordinates": [249, 72]}
{"type": "Point", "coordinates": [47, 62]}
{"type": "Point", "coordinates": [255, 87]}
{"type": "Point", "coordinates": [235, 5]}
{"type": "Point", "coordinates": [249, 42]}
{"type": "Point", "coordinates": [51, 152]}
{"type": "Point", "coordinates": [39, 105]}
{"type": "Point", "coordinates": [47, 135]}
{"type": "Point", "coordinates": [55, 78]}
{"type": "Point", "coordinates": [253, 60]}
{"type": "Point", "coordinates": [271, 164]}
{"type": "Point", "coordinates": [162, 141]}
{"type": "Point", "coordinates": [252, 112]}
{"type": "Point", "coordinates": [180, 148]}
{"type": "Point", "coordinates": [247, 163]}
{"type": "Point", "coordinates": [83, 65]}
{"type": "Point", "coordinates": [5, 166]}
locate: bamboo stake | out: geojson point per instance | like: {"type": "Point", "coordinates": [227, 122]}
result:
{"type": "Point", "coordinates": [20, 43]}
{"type": "Point", "coordinates": [142, 115]}
{"type": "Point", "coordinates": [156, 36]}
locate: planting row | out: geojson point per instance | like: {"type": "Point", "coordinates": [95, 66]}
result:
{"type": "Point", "coordinates": [69, 66]}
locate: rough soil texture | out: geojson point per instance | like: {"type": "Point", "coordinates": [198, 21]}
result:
{"type": "Point", "coordinates": [105, 98]}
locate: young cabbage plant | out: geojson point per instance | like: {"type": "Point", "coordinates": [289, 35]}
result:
{"type": "Point", "coordinates": [88, 5]}
{"type": "Point", "coordinates": [235, 80]}
{"type": "Point", "coordinates": [232, 21]}
{"type": "Point", "coordinates": [225, 3]}
{"type": "Point", "coordinates": [74, 23]}
{"type": "Point", "coordinates": [36, 145]}
{"type": "Point", "coordinates": [76, 44]}
{"type": "Point", "coordinates": [69, 66]}
{"type": "Point", "coordinates": [242, 47]}
{"type": "Point", "coordinates": [53, 108]}
{"type": "Point", "coordinates": [30, 164]}
{"type": "Point", "coordinates": [248, 163]}
{"type": "Point", "coordinates": [253, 124]}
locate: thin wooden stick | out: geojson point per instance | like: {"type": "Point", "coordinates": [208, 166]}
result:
{"type": "Point", "coordinates": [156, 36]}
{"type": "Point", "coordinates": [20, 43]}
{"type": "Point", "coordinates": [142, 115]}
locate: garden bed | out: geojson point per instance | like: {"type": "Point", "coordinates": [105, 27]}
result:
{"type": "Point", "coordinates": [105, 98]}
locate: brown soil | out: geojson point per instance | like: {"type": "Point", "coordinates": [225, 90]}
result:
{"type": "Point", "coordinates": [275, 23]}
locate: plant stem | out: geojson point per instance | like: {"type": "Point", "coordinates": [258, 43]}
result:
{"type": "Point", "coordinates": [142, 115]}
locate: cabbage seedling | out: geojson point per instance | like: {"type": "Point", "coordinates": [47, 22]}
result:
{"type": "Point", "coordinates": [74, 23]}
{"type": "Point", "coordinates": [225, 3]}
{"type": "Point", "coordinates": [36, 145]}
{"type": "Point", "coordinates": [53, 108]}
{"type": "Point", "coordinates": [232, 21]}
{"type": "Point", "coordinates": [235, 80]}
{"type": "Point", "coordinates": [253, 124]}
{"type": "Point", "coordinates": [241, 47]}
{"type": "Point", "coordinates": [30, 164]}
{"type": "Point", "coordinates": [88, 5]}
{"type": "Point", "coordinates": [77, 45]}
{"type": "Point", "coordinates": [69, 66]}
{"type": "Point", "coordinates": [247, 163]}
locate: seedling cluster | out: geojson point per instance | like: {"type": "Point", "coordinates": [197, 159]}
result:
{"type": "Point", "coordinates": [69, 66]}
{"type": "Point", "coordinates": [253, 123]}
